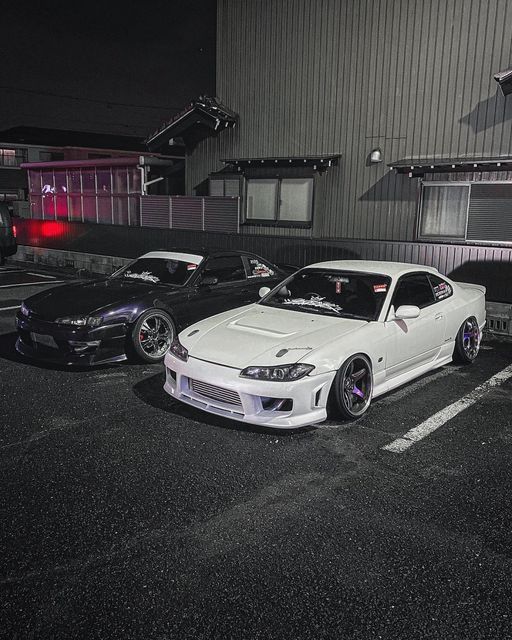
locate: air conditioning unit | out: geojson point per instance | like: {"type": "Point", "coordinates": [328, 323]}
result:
{"type": "Point", "coordinates": [499, 318]}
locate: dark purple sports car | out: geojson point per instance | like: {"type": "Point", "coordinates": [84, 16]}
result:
{"type": "Point", "coordinates": [140, 308]}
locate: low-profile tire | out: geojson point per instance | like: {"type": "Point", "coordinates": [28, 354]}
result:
{"type": "Point", "coordinates": [152, 335]}
{"type": "Point", "coordinates": [353, 387]}
{"type": "Point", "coordinates": [467, 341]}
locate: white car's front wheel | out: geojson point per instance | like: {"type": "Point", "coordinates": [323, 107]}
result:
{"type": "Point", "coordinates": [353, 386]}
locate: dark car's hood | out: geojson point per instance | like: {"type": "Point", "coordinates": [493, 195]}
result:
{"type": "Point", "coordinates": [86, 298]}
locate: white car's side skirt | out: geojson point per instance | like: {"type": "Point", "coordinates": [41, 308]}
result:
{"type": "Point", "coordinates": [403, 378]}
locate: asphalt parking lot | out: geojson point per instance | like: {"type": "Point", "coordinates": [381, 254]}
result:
{"type": "Point", "coordinates": [125, 515]}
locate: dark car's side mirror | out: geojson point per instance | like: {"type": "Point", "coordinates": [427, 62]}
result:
{"type": "Point", "coordinates": [208, 281]}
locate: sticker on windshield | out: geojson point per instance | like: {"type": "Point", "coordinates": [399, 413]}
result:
{"type": "Point", "coordinates": [259, 270]}
{"type": "Point", "coordinates": [316, 302]}
{"type": "Point", "coordinates": [147, 276]}
{"type": "Point", "coordinates": [191, 266]}
{"type": "Point", "coordinates": [380, 288]}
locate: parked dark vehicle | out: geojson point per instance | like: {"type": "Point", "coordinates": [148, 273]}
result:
{"type": "Point", "coordinates": [140, 308]}
{"type": "Point", "coordinates": [8, 246]}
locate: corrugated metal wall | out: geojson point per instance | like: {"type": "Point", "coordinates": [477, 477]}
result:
{"type": "Point", "coordinates": [413, 77]}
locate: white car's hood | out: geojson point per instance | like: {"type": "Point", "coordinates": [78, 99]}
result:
{"type": "Point", "coordinates": [259, 335]}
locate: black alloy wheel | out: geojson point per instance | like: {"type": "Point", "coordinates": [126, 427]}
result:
{"type": "Point", "coordinates": [467, 342]}
{"type": "Point", "coordinates": [353, 387]}
{"type": "Point", "coordinates": [152, 335]}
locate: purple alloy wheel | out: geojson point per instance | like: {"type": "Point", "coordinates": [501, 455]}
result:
{"type": "Point", "coordinates": [471, 338]}
{"type": "Point", "coordinates": [357, 386]}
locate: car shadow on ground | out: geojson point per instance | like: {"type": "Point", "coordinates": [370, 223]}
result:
{"type": "Point", "coordinates": [150, 390]}
{"type": "Point", "coordinates": [8, 352]}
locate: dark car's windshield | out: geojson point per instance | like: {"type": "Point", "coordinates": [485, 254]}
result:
{"type": "Point", "coordinates": [171, 271]}
{"type": "Point", "coordinates": [344, 294]}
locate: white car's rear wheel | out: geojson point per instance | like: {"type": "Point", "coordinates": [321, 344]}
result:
{"type": "Point", "coordinates": [467, 342]}
{"type": "Point", "coordinates": [353, 386]}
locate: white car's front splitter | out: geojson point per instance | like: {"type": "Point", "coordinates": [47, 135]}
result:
{"type": "Point", "coordinates": [220, 390]}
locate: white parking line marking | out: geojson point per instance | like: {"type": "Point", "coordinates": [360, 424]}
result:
{"type": "Point", "coordinates": [40, 275]}
{"type": "Point", "coordinates": [442, 417]}
{"type": "Point", "coordinates": [9, 308]}
{"type": "Point", "coordinates": [28, 284]}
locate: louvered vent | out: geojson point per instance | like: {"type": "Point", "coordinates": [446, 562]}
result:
{"type": "Point", "coordinates": [155, 211]}
{"type": "Point", "coordinates": [490, 212]}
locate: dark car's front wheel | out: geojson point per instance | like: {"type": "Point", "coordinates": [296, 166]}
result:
{"type": "Point", "coordinates": [152, 335]}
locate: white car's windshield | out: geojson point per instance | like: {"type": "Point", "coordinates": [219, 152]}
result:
{"type": "Point", "coordinates": [345, 294]}
{"type": "Point", "coordinates": [159, 271]}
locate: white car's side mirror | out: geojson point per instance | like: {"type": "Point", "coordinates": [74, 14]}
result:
{"type": "Point", "coordinates": [263, 291]}
{"type": "Point", "coordinates": [407, 312]}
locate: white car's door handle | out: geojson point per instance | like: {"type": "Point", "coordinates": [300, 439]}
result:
{"type": "Point", "coordinates": [438, 316]}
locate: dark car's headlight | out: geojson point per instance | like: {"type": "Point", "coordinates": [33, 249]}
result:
{"type": "Point", "coordinates": [178, 350]}
{"type": "Point", "coordinates": [24, 310]}
{"type": "Point", "coordinates": [80, 321]}
{"type": "Point", "coordinates": [283, 373]}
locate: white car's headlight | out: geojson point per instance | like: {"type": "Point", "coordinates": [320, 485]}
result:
{"type": "Point", "coordinates": [282, 373]}
{"type": "Point", "coordinates": [80, 321]}
{"type": "Point", "coordinates": [178, 350]}
{"type": "Point", "coordinates": [24, 310]}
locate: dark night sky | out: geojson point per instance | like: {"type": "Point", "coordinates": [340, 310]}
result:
{"type": "Point", "coordinates": [144, 55]}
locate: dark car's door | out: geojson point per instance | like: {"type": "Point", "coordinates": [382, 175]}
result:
{"type": "Point", "coordinates": [260, 273]}
{"type": "Point", "coordinates": [229, 292]}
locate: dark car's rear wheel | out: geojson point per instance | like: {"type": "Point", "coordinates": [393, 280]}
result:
{"type": "Point", "coordinates": [152, 335]}
{"type": "Point", "coordinates": [353, 387]}
{"type": "Point", "coordinates": [467, 342]}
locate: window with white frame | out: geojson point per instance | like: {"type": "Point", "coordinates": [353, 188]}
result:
{"type": "Point", "coordinates": [287, 201]}
{"type": "Point", "coordinates": [468, 211]}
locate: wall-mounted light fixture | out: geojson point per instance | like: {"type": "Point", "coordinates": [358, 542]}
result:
{"type": "Point", "coordinates": [376, 156]}
{"type": "Point", "coordinates": [504, 79]}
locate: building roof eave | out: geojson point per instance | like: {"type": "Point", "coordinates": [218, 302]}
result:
{"type": "Point", "coordinates": [416, 167]}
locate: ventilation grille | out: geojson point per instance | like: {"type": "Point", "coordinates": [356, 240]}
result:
{"type": "Point", "coordinates": [499, 318]}
{"type": "Point", "coordinates": [215, 393]}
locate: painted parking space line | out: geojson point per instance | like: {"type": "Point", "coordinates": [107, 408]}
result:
{"type": "Point", "coordinates": [442, 417]}
{"type": "Point", "coordinates": [41, 275]}
{"type": "Point", "coordinates": [10, 308]}
{"type": "Point", "coordinates": [28, 284]}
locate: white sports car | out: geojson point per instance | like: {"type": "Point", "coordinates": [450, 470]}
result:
{"type": "Point", "coordinates": [337, 333]}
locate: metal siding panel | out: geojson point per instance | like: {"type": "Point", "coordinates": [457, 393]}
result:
{"type": "Point", "coordinates": [221, 214]}
{"type": "Point", "coordinates": [187, 213]}
{"type": "Point", "coordinates": [344, 75]}
{"type": "Point", "coordinates": [154, 211]}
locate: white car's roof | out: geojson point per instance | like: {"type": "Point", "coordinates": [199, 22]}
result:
{"type": "Point", "coordinates": [174, 255]}
{"type": "Point", "coordinates": [393, 269]}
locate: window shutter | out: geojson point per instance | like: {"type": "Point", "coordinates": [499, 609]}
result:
{"type": "Point", "coordinates": [490, 212]}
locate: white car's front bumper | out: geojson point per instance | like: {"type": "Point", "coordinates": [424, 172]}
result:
{"type": "Point", "coordinates": [220, 390]}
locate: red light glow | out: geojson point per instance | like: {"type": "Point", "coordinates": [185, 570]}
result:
{"type": "Point", "coordinates": [14, 232]}
{"type": "Point", "coordinates": [52, 229]}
